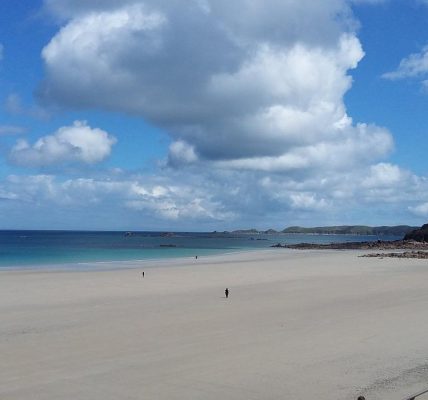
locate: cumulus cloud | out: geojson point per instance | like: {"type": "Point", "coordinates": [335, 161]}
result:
{"type": "Point", "coordinates": [251, 93]}
{"type": "Point", "coordinates": [360, 146]}
{"type": "Point", "coordinates": [386, 175]}
{"type": "Point", "coordinates": [257, 86]}
{"type": "Point", "coordinates": [78, 143]}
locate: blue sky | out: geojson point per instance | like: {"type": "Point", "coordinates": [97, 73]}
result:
{"type": "Point", "coordinates": [212, 115]}
{"type": "Point", "coordinates": [390, 32]}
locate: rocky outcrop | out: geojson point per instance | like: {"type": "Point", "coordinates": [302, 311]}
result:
{"type": "Point", "coordinates": [405, 254]}
{"type": "Point", "coordinates": [399, 230]}
{"type": "Point", "coordinates": [376, 245]}
{"type": "Point", "coordinates": [419, 235]}
{"type": "Point", "coordinates": [413, 248]}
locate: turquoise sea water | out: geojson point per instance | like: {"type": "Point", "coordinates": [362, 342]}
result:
{"type": "Point", "coordinates": [36, 248]}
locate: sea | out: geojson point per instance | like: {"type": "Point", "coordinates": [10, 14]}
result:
{"type": "Point", "coordinates": [23, 249]}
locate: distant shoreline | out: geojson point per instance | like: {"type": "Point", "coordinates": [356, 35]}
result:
{"type": "Point", "coordinates": [364, 230]}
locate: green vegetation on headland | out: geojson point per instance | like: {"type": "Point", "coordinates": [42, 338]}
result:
{"type": "Point", "coordinates": [399, 230]}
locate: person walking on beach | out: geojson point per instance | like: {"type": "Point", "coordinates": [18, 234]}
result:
{"type": "Point", "coordinates": [143, 274]}
{"type": "Point", "coordinates": [226, 293]}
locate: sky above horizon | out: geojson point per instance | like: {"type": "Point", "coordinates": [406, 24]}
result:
{"type": "Point", "coordinates": [205, 115]}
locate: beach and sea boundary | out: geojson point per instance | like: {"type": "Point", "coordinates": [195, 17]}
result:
{"type": "Point", "coordinates": [77, 249]}
{"type": "Point", "coordinates": [297, 324]}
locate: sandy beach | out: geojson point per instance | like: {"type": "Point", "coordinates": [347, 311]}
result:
{"type": "Point", "coordinates": [297, 324]}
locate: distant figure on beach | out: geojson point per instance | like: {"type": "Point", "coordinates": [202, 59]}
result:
{"type": "Point", "coordinates": [361, 398]}
{"type": "Point", "coordinates": [142, 274]}
{"type": "Point", "coordinates": [226, 293]}
{"type": "Point", "coordinates": [196, 257]}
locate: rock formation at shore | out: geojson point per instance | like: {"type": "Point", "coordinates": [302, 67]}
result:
{"type": "Point", "coordinates": [379, 245]}
{"type": "Point", "coordinates": [415, 248]}
{"type": "Point", "coordinates": [419, 235]}
{"type": "Point", "coordinates": [405, 254]}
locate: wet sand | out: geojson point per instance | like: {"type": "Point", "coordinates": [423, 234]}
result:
{"type": "Point", "coordinates": [297, 324]}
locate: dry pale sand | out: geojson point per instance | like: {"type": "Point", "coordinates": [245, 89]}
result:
{"type": "Point", "coordinates": [301, 325]}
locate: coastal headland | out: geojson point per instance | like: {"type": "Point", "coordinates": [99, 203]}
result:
{"type": "Point", "coordinates": [297, 324]}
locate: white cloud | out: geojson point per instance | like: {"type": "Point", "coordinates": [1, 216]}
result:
{"type": "Point", "coordinates": [252, 97]}
{"type": "Point", "coordinates": [420, 210]}
{"type": "Point", "coordinates": [115, 38]}
{"type": "Point", "coordinates": [181, 153]}
{"type": "Point", "coordinates": [177, 203]}
{"type": "Point", "coordinates": [415, 65]}
{"type": "Point", "coordinates": [219, 199]}
{"type": "Point", "coordinates": [385, 175]}
{"type": "Point", "coordinates": [359, 145]}
{"type": "Point", "coordinates": [78, 143]}
{"type": "Point", "coordinates": [244, 87]}
{"type": "Point", "coordinates": [307, 201]}
{"type": "Point", "coordinates": [138, 195]}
